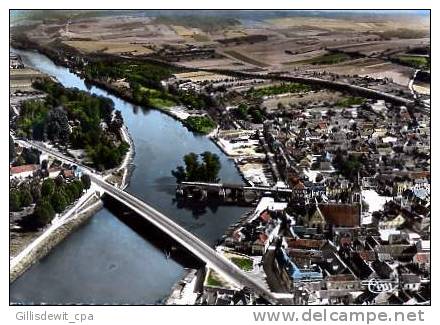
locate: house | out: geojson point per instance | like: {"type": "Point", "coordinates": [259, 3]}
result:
{"type": "Point", "coordinates": [393, 223]}
{"type": "Point", "coordinates": [410, 282]}
{"type": "Point", "coordinates": [260, 245]}
{"type": "Point", "coordinates": [341, 215]}
{"type": "Point", "coordinates": [23, 171]}
{"type": "Point", "coordinates": [291, 275]}
{"type": "Point", "coordinates": [395, 252]}
{"type": "Point", "coordinates": [54, 172]}
{"type": "Point", "coordinates": [68, 173]}
{"type": "Point", "coordinates": [343, 282]}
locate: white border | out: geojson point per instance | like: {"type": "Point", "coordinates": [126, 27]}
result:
{"type": "Point", "coordinates": [194, 315]}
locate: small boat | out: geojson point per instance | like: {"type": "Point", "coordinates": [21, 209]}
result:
{"type": "Point", "coordinates": [167, 254]}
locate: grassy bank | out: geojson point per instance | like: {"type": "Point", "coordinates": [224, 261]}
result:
{"type": "Point", "coordinates": [200, 124]}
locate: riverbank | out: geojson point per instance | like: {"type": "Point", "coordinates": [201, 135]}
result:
{"type": "Point", "coordinates": [178, 112]}
{"type": "Point", "coordinates": [60, 228]}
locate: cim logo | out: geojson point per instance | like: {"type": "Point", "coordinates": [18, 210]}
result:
{"type": "Point", "coordinates": [378, 285]}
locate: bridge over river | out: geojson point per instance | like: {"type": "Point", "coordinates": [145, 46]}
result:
{"type": "Point", "coordinates": [212, 258]}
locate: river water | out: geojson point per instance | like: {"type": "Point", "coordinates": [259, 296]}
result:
{"type": "Point", "coordinates": [106, 261]}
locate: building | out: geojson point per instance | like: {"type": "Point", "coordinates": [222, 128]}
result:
{"type": "Point", "coordinates": [23, 171]}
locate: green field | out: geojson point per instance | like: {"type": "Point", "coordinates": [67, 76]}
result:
{"type": "Point", "coordinates": [213, 280]}
{"type": "Point", "coordinates": [244, 263]}
{"type": "Point", "coordinates": [330, 58]}
{"type": "Point", "coordinates": [283, 88]}
{"type": "Point", "coordinates": [157, 98]}
{"type": "Point", "coordinates": [418, 62]}
{"type": "Point", "coordinates": [349, 101]}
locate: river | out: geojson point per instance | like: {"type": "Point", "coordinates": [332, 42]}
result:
{"type": "Point", "coordinates": [106, 261]}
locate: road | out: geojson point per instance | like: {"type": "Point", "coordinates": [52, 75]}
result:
{"type": "Point", "coordinates": [213, 259]}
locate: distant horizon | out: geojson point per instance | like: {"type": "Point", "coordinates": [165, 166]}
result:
{"type": "Point", "coordinates": [22, 13]}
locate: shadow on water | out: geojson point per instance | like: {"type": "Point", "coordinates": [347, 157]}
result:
{"type": "Point", "coordinates": [152, 234]}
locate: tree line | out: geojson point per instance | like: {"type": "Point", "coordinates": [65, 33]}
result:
{"type": "Point", "coordinates": [73, 117]}
{"type": "Point", "coordinates": [50, 196]}
{"type": "Point", "coordinates": [146, 88]}
{"type": "Point", "coordinates": [204, 167]}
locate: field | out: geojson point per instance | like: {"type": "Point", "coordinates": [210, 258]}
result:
{"type": "Point", "coordinates": [350, 101]}
{"type": "Point", "coordinates": [109, 47]}
{"type": "Point", "coordinates": [330, 58]}
{"type": "Point", "coordinates": [344, 45]}
{"type": "Point", "coordinates": [246, 264]}
{"type": "Point", "coordinates": [213, 279]}
{"type": "Point", "coordinates": [247, 59]}
{"type": "Point", "coordinates": [300, 100]}
{"type": "Point", "coordinates": [284, 88]}
{"type": "Point", "coordinates": [418, 62]}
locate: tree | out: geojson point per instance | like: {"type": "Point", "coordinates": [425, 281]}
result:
{"type": "Point", "coordinates": [59, 181]}
{"type": "Point", "coordinates": [179, 173]}
{"type": "Point", "coordinates": [117, 123]}
{"type": "Point", "coordinates": [11, 149]}
{"type": "Point", "coordinates": [25, 197]}
{"type": "Point", "coordinates": [196, 171]}
{"type": "Point", "coordinates": [44, 164]}
{"type": "Point", "coordinates": [192, 166]}
{"type": "Point", "coordinates": [35, 190]}
{"type": "Point", "coordinates": [70, 193]}
{"type": "Point", "coordinates": [48, 187]}
{"type": "Point", "coordinates": [31, 156]}
{"type": "Point", "coordinates": [242, 111]}
{"type": "Point", "coordinates": [211, 166]}
{"type": "Point", "coordinates": [14, 200]}
{"type": "Point", "coordinates": [44, 212]}
{"type": "Point", "coordinates": [77, 185]}
{"type": "Point", "coordinates": [86, 182]}
{"type": "Point", "coordinates": [58, 201]}
{"type": "Point", "coordinates": [57, 125]}
{"type": "Point", "coordinates": [257, 116]}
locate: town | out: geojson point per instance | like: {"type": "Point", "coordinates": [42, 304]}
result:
{"type": "Point", "coordinates": [331, 147]}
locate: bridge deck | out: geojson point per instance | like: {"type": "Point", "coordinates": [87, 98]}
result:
{"type": "Point", "coordinates": [213, 259]}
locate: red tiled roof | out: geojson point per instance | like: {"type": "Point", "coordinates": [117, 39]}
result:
{"type": "Point", "coordinates": [343, 215]}
{"type": "Point", "coordinates": [345, 240]}
{"type": "Point", "coordinates": [420, 174]}
{"type": "Point", "coordinates": [367, 255]}
{"type": "Point", "coordinates": [299, 186]}
{"type": "Point", "coordinates": [265, 216]}
{"type": "Point", "coordinates": [322, 125]}
{"type": "Point", "coordinates": [262, 239]}
{"type": "Point", "coordinates": [422, 257]}
{"type": "Point", "coordinates": [68, 173]}
{"type": "Point", "coordinates": [23, 168]}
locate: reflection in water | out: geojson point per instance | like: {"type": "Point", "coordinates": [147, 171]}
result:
{"type": "Point", "coordinates": [106, 261]}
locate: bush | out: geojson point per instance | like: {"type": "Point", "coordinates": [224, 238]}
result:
{"type": "Point", "coordinates": [86, 182]}
{"type": "Point", "coordinates": [14, 200]}
{"type": "Point", "coordinates": [48, 187]}
{"type": "Point", "coordinates": [200, 124]}
{"type": "Point", "coordinates": [59, 201]}
{"type": "Point", "coordinates": [25, 198]}
{"type": "Point", "coordinates": [44, 212]}
{"type": "Point", "coordinates": [195, 171]}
